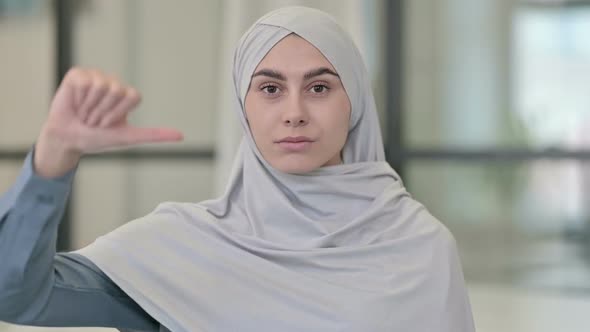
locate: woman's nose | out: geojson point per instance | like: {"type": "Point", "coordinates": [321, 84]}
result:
{"type": "Point", "coordinates": [295, 114]}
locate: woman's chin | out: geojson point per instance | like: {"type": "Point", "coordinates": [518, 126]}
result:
{"type": "Point", "coordinates": [298, 165]}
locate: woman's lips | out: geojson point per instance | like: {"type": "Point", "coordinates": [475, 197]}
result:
{"type": "Point", "coordinates": [295, 143]}
{"type": "Point", "coordinates": [295, 146]}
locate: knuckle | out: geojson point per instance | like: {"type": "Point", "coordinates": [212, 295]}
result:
{"type": "Point", "coordinates": [116, 90]}
{"type": "Point", "coordinates": [96, 73]}
{"type": "Point", "coordinates": [99, 79]}
{"type": "Point", "coordinates": [75, 72]}
{"type": "Point", "coordinates": [83, 83]}
{"type": "Point", "coordinates": [77, 77]}
{"type": "Point", "coordinates": [100, 84]}
{"type": "Point", "coordinates": [133, 94]}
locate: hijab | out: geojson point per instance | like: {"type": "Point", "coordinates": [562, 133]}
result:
{"type": "Point", "coordinates": [341, 248]}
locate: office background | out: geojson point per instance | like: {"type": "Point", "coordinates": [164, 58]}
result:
{"type": "Point", "coordinates": [484, 104]}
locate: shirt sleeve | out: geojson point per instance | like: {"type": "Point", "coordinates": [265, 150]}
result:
{"type": "Point", "coordinates": [40, 287]}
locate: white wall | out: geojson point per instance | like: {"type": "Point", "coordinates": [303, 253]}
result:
{"type": "Point", "coordinates": [26, 75]}
{"type": "Point", "coordinates": [26, 82]}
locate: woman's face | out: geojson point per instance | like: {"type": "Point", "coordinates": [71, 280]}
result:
{"type": "Point", "coordinates": [297, 108]}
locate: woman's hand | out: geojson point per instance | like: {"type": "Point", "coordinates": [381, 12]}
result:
{"type": "Point", "coordinates": [89, 115]}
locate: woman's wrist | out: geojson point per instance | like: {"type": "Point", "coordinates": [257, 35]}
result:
{"type": "Point", "coordinates": [53, 157]}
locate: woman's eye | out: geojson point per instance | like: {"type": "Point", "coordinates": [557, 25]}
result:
{"type": "Point", "coordinates": [319, 88]}
{"type": "Point", "coordinates": [270, 89]}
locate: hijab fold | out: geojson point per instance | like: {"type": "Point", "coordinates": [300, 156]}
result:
{"type": "Point", "coordinates": [342, 248]}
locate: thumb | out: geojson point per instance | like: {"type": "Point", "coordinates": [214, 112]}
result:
{"type": "Point", "coordinates": [130, 135]}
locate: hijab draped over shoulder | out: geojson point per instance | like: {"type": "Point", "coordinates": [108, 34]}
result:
{"type": "Point", "coordinates": [342, 248]}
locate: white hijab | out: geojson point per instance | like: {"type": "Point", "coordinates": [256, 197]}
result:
{"type": "Point", "coordinates": [343, 248]}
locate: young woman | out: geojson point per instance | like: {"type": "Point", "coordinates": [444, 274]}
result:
{"type": "Point", "coordinates": [315, 231]}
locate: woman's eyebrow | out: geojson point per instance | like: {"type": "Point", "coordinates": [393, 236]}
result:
{"type": "Point", "coordinates": [270, 73]}
{"type": "Point", "coordinates": [310, 74]}
{"type": "Point", "coordinates": [318, 72]}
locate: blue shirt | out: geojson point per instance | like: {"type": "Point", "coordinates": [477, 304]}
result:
{"type": "Point", "coordinates": [40, 287]}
